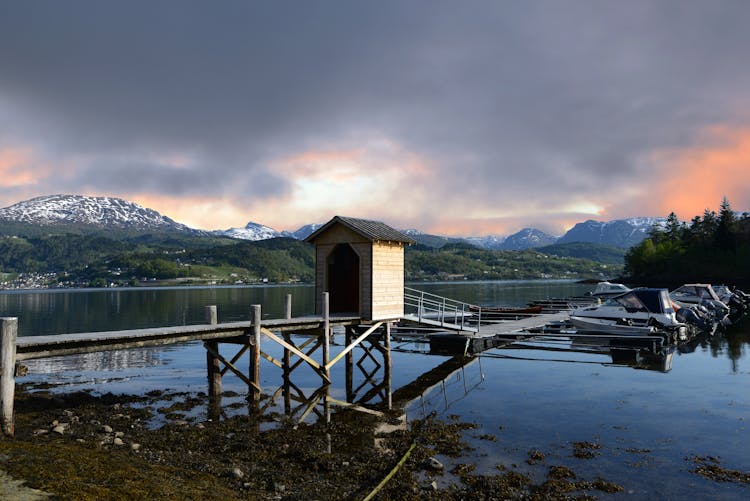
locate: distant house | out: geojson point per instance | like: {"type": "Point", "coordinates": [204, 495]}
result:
{"type": "Point", "coordinates": [360, 263]}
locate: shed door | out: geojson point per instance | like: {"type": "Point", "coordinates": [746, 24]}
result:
{"type": "Point", "coordinates": [343, 279]}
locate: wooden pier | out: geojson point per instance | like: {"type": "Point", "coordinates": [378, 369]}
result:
{"type": "Point", "coordinates": [247, 336]}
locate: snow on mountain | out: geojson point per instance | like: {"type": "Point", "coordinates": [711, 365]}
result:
{"type": "Point", "coordinates": [303, 232]}
{"type": "Point", "coordinates": [99, 212]}
{"type": "Point", "coordinates": [619, 233]}
{"type": "Point", "coordinates": [251, 231]}
{"type": "Point", "coordinates": [487, 242]}
{"type": "Point", "coordinates": [528, 238]}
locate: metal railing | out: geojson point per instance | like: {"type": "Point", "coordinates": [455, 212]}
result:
{"type": "Point", "coordinates": [447, 312]}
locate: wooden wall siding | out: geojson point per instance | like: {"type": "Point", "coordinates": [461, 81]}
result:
{"type": "Point", "coordinates": [388, 280]}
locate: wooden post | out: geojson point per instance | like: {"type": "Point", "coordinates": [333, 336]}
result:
{"type": "Point", "coordinates": [349, 365]}
{"type": "Point", "coordinates": [326, 329]}
{"type": "Point", "coordinates": [8, 334]}
{"type": "Point", "coordinates": [287, 362]}
{"type": "Point", "coordinates": [387, 365]}
{"type": "Point", "coordinates": [255, 352]}
{"type": "Point", "coordinates": [212, 361]}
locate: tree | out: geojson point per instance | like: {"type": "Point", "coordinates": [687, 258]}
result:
{"type": "Point", "coordinates": [726, 227]}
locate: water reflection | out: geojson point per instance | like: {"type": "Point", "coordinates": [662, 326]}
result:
{"type": "Point", "coordinates": [114, 360]}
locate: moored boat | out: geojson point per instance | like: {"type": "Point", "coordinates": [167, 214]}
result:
{"type": "Point", "coordinates": [637, 312]}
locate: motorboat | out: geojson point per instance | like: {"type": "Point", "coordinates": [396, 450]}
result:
{"type": "Point", "coordinates": [642, 311]}
{"type": "Point", "coordinates": [701, 295]}
{"type": "Point", "coordinates": [605, 290]}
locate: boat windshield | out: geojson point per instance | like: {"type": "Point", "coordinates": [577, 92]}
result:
{"type": "Point", "coordinates": [630, 302]}
{"type": "Point", "coordinates": [648, 300]}
{"type": "Point", "coordinates": [686, 292]}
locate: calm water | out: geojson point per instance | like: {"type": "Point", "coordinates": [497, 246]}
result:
{"type": "Point", "coordinates": [649, 423]}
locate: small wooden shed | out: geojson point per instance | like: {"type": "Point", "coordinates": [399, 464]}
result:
{"type": "Point", "coordinates": [360, 263]}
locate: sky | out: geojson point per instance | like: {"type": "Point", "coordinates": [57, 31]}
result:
{"type": "Point", "coordinates": [456, 118]}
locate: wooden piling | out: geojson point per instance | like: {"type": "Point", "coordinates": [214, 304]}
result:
{"type": "Point", "coordinates": [288, 307]}
{"type": "Point", "coordinates": [326, 334]}
{"type": "Point", "coordinates": [387, 365]}
{"type": "Point", "coordinates": [255, 352]}
{"type": "Point", "coordinates": [349, 365]}
{"type": "Point", "coordinates": [8, 334]}
{"type": "Point", "coordinates": [212, 361]}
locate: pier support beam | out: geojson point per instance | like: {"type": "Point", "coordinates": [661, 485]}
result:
{"type": "Point", "coordinates": [326, 334]}
{"type": "Point", "coordinates": [213, 365]}
{"type": "Point", "coordinates": [255, 353]}
{"type": "Point", "coordinates": [387, 365]}
{"type": "Point", "coordinates": [8, 334]}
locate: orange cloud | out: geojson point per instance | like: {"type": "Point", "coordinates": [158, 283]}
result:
{"type": "Point", "coordinates": [207, 212]}
{"type": "Point", "coordinates": [697, 178]}
{"type": "Point", "coordinates": [15, 168]}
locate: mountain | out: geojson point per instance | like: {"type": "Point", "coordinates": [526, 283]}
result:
{"type": "Point", "coordinates": [303, 232]}
{"type": "Point", "coordinates": [101, 213]}
{"type": "Point", "coordinates": [492, 242]}
{"type": "Point", "coordinates": [527, 238]}
{"type": "Point", "coordinates": [434, 241]}
{"type": "Point", "coordinates": [619, 233]}
{"type": "Point", "coordinates": [251, 231]}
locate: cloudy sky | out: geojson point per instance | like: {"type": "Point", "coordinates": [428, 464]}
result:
{"type": "Point", "coordinates": [471, 117]}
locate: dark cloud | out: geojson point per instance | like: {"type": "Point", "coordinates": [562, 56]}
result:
{"type": "Point", "coordinates": [554, 99]}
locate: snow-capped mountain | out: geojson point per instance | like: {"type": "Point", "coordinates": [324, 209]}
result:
{"type": "Point", "coordinates": [97, 212]}
{"type": "Point", "coordinates": [303, 232]}
{"type": "Point", "coordinates": [528, 238]}
{"type": "Point", "coordinates": [251, 231]}
{"type": "Point", "coordinates": [487, 241]}
{"type": "Point", "coordinates": [619, 233]}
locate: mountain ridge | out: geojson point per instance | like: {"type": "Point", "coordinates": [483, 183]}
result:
{"type": "Point", "coordinates": [105, 213]}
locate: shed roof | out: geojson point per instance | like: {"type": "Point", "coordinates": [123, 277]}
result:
{"type": "Point", "coordinates": [372, 230]}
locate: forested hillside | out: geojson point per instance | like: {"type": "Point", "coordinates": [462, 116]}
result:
{"type": "Point", "coordinates": [94, 259]}
{"type": "Point", "coordinates": [712, 248]}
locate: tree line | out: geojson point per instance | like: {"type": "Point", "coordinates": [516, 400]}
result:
{"type": "Point", "coordinates": [713, 248]}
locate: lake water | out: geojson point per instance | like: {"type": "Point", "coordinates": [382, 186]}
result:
{"type": "Point", "coordinates": [649, 424]}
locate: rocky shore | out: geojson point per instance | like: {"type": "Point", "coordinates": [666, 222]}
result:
{"type": "Point", "coordinates": [81, 446]}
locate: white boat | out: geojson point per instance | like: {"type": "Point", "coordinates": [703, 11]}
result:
{"type": "Point", "coordinates": [608, 289]}
{"type": "Point", "coordinates": [637, 312]}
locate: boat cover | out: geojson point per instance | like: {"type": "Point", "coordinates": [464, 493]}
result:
{"type": "Point", "coordinates": [651, 300]}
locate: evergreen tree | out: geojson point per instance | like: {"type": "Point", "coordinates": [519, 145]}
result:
{"type": "Point", "coordinates": [726, 227]}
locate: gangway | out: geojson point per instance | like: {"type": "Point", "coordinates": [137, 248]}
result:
{"type": "Point", "coordinates": [438, 311]}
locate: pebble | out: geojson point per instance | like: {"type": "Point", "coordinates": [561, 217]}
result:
{"type": "Point", "coordinates": [435, 464]}
{"type": "Point", "coordinates": [55, 422]}
{"type": "Point", "coordinates": [118, 441]}
{"type": "Point", "coordinates": [119, 434]}
{"type": "Point", "coordinates": [58, 429]}
{"type": "Point", "coordinates": [279, 487]}
{"type": "Point", "coordinates": [106, 429]}
{"type": "Point", "coordinates": [180, 422]}
{"type": "Point", "coordinates": [432, 486]}
{"type": "Point", "coordinates": [68, 413]}
{"type": "Point", "coordinates": [41, 431]}
{"type": "Point", "coordinates": [135, 447]}
{"type": "Point", "coordinates": [237, 473]}
{"type": "Point", "coordinates": [200, 426]}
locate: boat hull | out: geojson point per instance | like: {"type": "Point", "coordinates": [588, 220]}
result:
{"type": "Point", "coordinates": [610, 326]}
